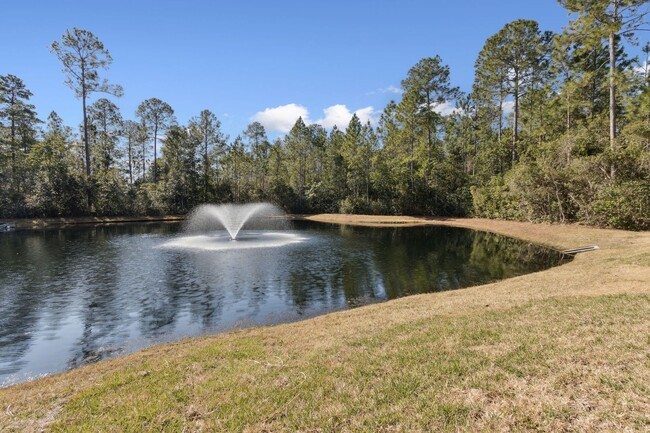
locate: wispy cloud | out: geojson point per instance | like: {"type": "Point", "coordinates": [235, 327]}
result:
{"type": "Point", "coordinates": [390, 89]}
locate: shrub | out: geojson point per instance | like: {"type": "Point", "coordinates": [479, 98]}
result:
{"type": "Point", "coordinates": [624, 205]}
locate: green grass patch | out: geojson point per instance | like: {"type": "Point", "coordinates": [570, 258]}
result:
{"type": "Point", "coordinates": [558, 364]}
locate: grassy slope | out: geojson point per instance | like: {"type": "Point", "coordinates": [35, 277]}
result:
{"type": "Point", "coordinates": [563, 349]}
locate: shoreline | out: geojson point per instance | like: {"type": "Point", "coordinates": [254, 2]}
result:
{"type": "Point", "coordinates": [618, 271]}
{"type": "Point", "coordinates": [504, 227]}
{"type": "Point", "coordinates": [40, 223]}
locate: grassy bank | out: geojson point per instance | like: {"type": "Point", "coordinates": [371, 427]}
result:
{"type": "Point", "coordinates": [563, 349]}
{"type": "Point", "coordinates": [39, 223]}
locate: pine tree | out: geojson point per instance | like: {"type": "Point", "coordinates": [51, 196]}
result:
{"type": "Point", "coordinates": [206, 129]}
{"type": "Point", "coordinates": [611, 21]}
{"type": "Point", "coordinates": [515, 61]}
{"type": "Point", "coordinates": [426, 86]}
{"type": "Point", "coordinates": [106, 121]}
{"type": "Point", "coordinates": [297, 143]}
{"type": "Point", "coordinates": [20, 118]}
{"type": "Point", "coordinates": [156, 116]}
{"type": "Point", "coordinates": [83, 55]}
{"type": "Point", "coordinates": [135, 135]}
{"type": "Point", "coordinates": [260, 149]}
{"type": "Point", "coordinates": [55, 189]}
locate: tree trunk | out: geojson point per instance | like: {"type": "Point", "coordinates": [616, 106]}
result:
{"type": "Point", "coordinates": [107, 157]}
{"type": "Point", "coordinates": [205, 169]}
{"type": "Point", "coordinates": [645, 71]}
{"type": "Point", "coordinates": [83, 103]}
{"type": "Point", "coordinates": [612, 90]}
{"type": "Point", "coordinates": [475, 157]}
{"type": "Point", "coordinates": [429, 143]}
{"type": "Point", "coordinates": [515, 123]}
{"type": "Point", "coordinates": [155, 153]}
{"type": "Point", "coordinates": [500, 112]}
{"type": "Point", "coordinates": [411, 168]}
{"type": "Point", "coordinates": [568, 111]}
{"type": "Point", "coordinates": [130, 163]}
{"type": "Point", "coordinates": [86, 141]}
{"type": "Point", "coordinates": [13, 147]}
{"type": "Point", "coordinates": [612, 86]}
{"type": "Point", "coordinates": [144, 160]}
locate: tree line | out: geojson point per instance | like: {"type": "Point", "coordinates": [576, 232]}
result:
{"type": "Point", "coordinates": [556, 128]}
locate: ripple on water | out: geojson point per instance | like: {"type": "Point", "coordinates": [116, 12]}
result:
{"type": "Point", "coordinates": [245, 240]}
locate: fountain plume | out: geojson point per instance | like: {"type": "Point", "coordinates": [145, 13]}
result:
{"type": "Point", "coordinates": [233, 217]}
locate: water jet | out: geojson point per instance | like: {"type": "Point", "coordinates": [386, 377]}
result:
{"type": "Point", "coordinates": [265, 227]}
{"type": "Point", "coordinates": [231, 216]}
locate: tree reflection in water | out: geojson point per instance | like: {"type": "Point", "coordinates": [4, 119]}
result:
{"type": "Point", "coordinates": [77, 295]}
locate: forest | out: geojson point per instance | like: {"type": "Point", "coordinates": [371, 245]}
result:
{"type": "Point", "coordinates": [556, 128]}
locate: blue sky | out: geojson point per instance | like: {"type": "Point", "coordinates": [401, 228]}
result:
{"type": "Point", "coordinates": [240, 58]}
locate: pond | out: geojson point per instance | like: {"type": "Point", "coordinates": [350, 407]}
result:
{"type": "Point", "coordinates": [76, 295]}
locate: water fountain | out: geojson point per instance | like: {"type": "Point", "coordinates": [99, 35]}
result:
{"type": "Point", "coordinates": [265, 227]}
{"type": "Point", "coordinates": [148, 283]}
{"type": "Point", "coordinates": [231, 216]}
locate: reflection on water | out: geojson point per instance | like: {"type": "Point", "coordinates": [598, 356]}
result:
{"type": "Point", "coordinates": [77, 295]}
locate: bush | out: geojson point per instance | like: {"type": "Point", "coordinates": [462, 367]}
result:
{"type": "Point", "coordinates": [624, 205]}
{"type": "Point", "coordinates": [283, 196]}
{"type": "Point", "coordinates": [353, 205]}
{"type": "Point", "coordinates": [149, 200]}
{"type": "Point", "coordinates": [110, 193]}
{"type": "Point", "coordinates": [359, 205]}
{"type": "Point", "coordinates": [323, 199]}
{"type": "Point", "coordinates": [494, 200]}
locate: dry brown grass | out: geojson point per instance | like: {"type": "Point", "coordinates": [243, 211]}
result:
{"type": "Point", "coordinates": [566, 349]}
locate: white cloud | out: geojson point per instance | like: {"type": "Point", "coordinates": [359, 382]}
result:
{"type": "Point", "coordinates": [366, 115]}
{"type": "Point", "coordinates": [390, 89]}
{"type": "Point", "coordinates": [340, 116]}
{"type": "Point", "coordinates": [446, 108]}
{"type": "Point", "coordinates": [642, 68]}
{"type": "Point", "coordinates": [508, 107]}
{"type": "Point", "coordinates": [281, 118]}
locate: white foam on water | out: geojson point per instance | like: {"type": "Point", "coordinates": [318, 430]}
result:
{"type": "Point", "coordinates": [247, 239]}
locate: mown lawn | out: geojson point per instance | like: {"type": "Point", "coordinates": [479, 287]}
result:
{"type": "Point", "coordinates": [572, 364]}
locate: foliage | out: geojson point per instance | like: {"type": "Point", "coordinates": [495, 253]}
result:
{"type": "Point", "coordinates": [82, 55]}
{"type": "Point", "coordinates": [624, 205]}
{"type": "Point", "coordinates": [56, 189]}
{"type": "Point", "coordinates": [532, 141]}
{"type": "Point", "coordinates": [156, 116]}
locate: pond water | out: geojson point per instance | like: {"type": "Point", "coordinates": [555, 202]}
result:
{"type": "Point", "coordinates": [77, 295]}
